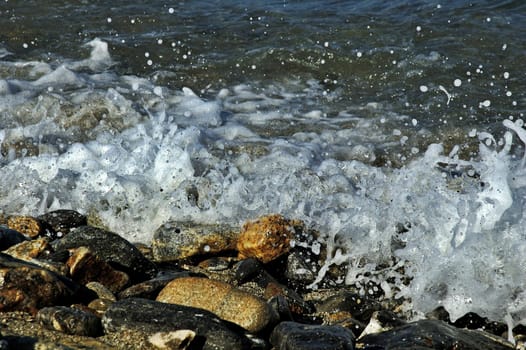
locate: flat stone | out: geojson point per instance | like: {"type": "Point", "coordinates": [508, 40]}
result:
{"type": "Point", "coordinates": [151, 317]}
{"type": "Point", "coordinates": [292, 335]}
{"type": "Point", "coordinates": [85, 267]}
{"type": "Point", "coordinates": [110, 247]}
{"type": "Point", "coordinates": [227, 302]}
{"type": "Point", "coordinates": [28, 287]}
{"type": "Point", "coordinates": [432, 334]}
{"type": "Point", "coordinates": [70, 321]}
{"type": "Point", "coordinates": [267, 238]}
{"type": "Point", "coordinates": [63, 221]}
{"type": "Point", "coordinates": [27, 250]}
{"type": "Point", "coordinates": [181, 240]}
{"type": "Point", "coordinates": [101, 290]}
{"type": "Point", "coordinates": [9, 237]}
{"type": "Point", "coordinates": [150, 289]}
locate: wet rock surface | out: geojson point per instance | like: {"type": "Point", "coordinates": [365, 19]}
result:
{"type": "Point", "coordinates": [88, 288]}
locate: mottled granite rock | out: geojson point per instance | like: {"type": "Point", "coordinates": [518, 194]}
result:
{"type": "Point", "coordinates": [297, 336]}
{"type": "Point", "coordinates": [181, 240]}
{"type": "Point", "coordinates": [112, 248]}
{"type": "Point", "coordinates": [267, 238]}
{"type": "Point", "coordinates": [226, 301]}
{"type": "Point", "coordinates": [151, 317]}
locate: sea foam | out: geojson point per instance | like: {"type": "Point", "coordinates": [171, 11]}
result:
{"type": "Point", "coordinates": [136, 155]}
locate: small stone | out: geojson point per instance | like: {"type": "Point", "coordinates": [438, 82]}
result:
{"type": "Point", "coordinates": [84, 267]}
{"type": "Point", "coordinates": [28, 287]}
{"type": "Point", "coordinates": [360, 307]}
{"type": "Point", "coordinates": [229, 303]}
{"type": "Point", "coordinates": [151, 317]}
{"type": "Point", "coordinates": [70, 321]}
{"type": "Point", "coordinates": [32, 249]}
{"type": "Point", "coordinates": [100, 305]}
{"type": "Point", "coordinates": [110, 247]}
{"type": "Point", "coordinates": [179, 339]}
{"type": "Point", "coordinates": [432, 334]}
{"type": "Point", "coordinates": [297, 336]}
{"type": "Point", "coordinates": [10, 237]}
{"type": "Point", "coordinates": [181, 240]}
{"type": "Point", "coordinates": [62, 221]}
{"type": "Point", "coordinates": [101, 290]}
{"type": "Point", "coordinates": [28, 226]}
{"type": "Point", "coordinates": [382, 321]}
{"type": "Point", "coordinates": [267, 238]}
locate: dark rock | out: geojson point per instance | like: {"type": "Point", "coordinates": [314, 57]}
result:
{"type": "Point", "coordinates": [85, 267]}
{"type": "Point", "coordinates": [151, 317]}
{"type": "Point", "coordinates": [361, 308]}
{"type": "Point", "coordinates": [247, 269]}
{"type": "Point", "coordinates": [112, 248]}
{"type": "Point", "coordinates": [182, 240]}
{"type": "Point", "coordinates": [70, 321]}
{"type": "Point", "coordinates": [218, 263]}
{"type": "Point", "coordinates": [297, 336]}
{"type": "Point", "coordinates": [302, 267]}
{"type": "Point", "coordinates": [28, 287]}
{"type": "Point", "coordinates": [432, 334]}
{"type": "Point", "coordinates": [62, 221]}
{"type": "Point", "coordinates": [382, 321]}
{"type": "Point", "coordinates": [10, 237]}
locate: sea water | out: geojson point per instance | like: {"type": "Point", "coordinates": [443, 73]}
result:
{"type": "Point", "coordinates": [394, 130]}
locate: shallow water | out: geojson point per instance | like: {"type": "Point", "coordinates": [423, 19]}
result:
{"type": "Point", "coordinates": [358, 117]}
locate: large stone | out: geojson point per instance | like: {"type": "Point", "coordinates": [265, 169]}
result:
{"type": "Point", "coordinates": [112, 248]}
{"type": "Point", "coordinates": [9, 237]}
{"type": "Point", "coordinates": [28, 287]}
{"type": "Point", "coordinates": [70, 321]}
{"type": "Point", "coordinates": [292, 335]}
{"type": "Point", "coordinates": [150, 318]}
{"type": "Point", "coordinates": [432, 334]}
{"type": "Point", "coordinates": [267, 238]}
{"type": "Point", "coordinates": [229, 303]}
{"type": "Point", "coordinates": [181, 240]}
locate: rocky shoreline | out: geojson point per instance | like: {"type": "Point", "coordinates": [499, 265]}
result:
{"type": "Point", "coordinates": [67, 283]}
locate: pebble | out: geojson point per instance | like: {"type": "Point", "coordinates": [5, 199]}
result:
{"type": "Point", "coordinates": [29, 226]}
{"type": "Point", "coordinates": [226, 301]}
{"type": "Point", "coordinates": [111, 248]}
{"type": "Point", "coordinates": [28, 287]}
{"type": "Point", "coordinates": [267, 238]}
{"type": "Point", "coordinates": [297, 336]}
{"type": "Point", "coordinates": [63, 221]}
{"type": "Point", "coordinates": [182, 240]}
{"type": "Point", "coordinates": [70, 321]}
{"type": "Point", "coordinates": [85, 267]}
{"type": "Point", "coordinates": [151, 317]}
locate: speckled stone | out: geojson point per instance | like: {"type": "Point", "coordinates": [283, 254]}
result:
{"type": "Point", "coordinates": [27, 250]}
{"type": "Point", "coordinates": [181, 240]}
{"type": "Point", "coordinates": [28, 225]}
{"type": "Point", "coordinates": [226, 301]}
{"type": "Point", "coordinates": [70, 321]}
{"type": "Point", "coordinates": [267, 238]}
{"type": "Point", "coordinates": [62, 221]}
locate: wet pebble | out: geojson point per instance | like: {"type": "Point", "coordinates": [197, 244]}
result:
{"type": "Point", "coordinates": [62, 221]}
{"type": "Point", "coordinates": [29, 226]}
{"type": "Point", "coordinates": [297, 336]}
{"type": "Point", "coordinates": [110, 247]}
{"type": "Point", "coordinates": [181, 240]}
{"type": "Point", "coordinates": [229, 303]}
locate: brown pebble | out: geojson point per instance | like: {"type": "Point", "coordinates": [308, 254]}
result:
{"type": "Point", "coordinates": [27, 225]}
{"type": "Point", "coordinates": [266, 238]}
{"type": "Point", "coordinates": [226, 301]}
